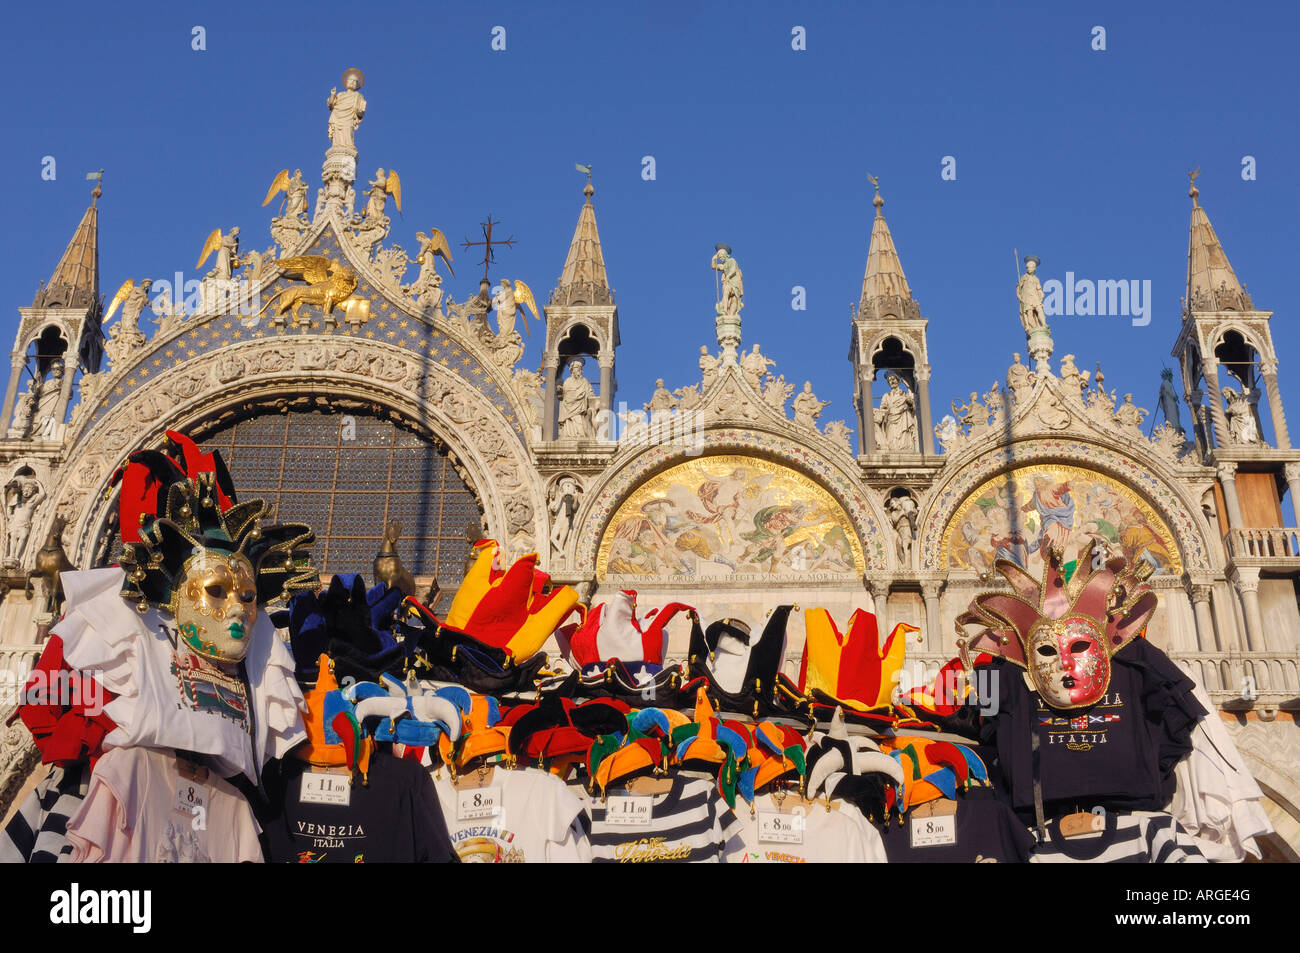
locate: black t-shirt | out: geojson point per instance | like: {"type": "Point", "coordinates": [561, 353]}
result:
{"type": "Point", "coordinates": [393, 819]}
{"type": "Point", "coordinates": [1119, 753]}
{"type": "Point", "coordinates": [987, 831]}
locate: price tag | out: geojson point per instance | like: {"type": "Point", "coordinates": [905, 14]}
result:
{"type": "Point", "coordinates": [777, 828]}
{"type": "Point", "coordinates": [474, 804]}
{"type": "Point", "coordinates": [934, 831]}
{"type": "Point", "coordinates": [321, 787]}
{"type": "Point", "coordinates": [191, 798]}
{"type": "Point", "coordinates": [629, 811]}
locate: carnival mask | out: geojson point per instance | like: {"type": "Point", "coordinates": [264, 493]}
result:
{"type": "Point", "coordinates": [1068, 663]}
{"type": "Point", "coordinates": [216, 605]}
{"type": "Point", "coordinates": [1063, 629]}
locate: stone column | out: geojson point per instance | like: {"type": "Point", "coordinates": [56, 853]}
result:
{"type": "Point", "coordinates": [1207, 639]}
{"type": "Point", "coordinates": [923, 396]}
{"type": "Point", "coordinates": [65, 395]}
{"type": "Point", "coordinates": [1228, 480]}
{"type": "Point", "coordinates": [930, 590]}
{"type": "Point", "coordinates": [549, 378]}
{"type": "Point", "coordinates": [1246, 582]}
{"type": "Point", "coordinates": [607, 385]}
{"type": "Point", "coordinates": [1292, 471]}
{"type": "Point", "coordinates": [880, 604]}
{"type": "Point", "coordinates": [867, 421]}
{"type": "Point", "coordinates": [17, 361]}
{"type": "Point", "coordinates": [1275, 411]}
{"type": "Point", "coordinates": [1225, 623]}
{"type": "Point", "coordinates": [1211, 371]}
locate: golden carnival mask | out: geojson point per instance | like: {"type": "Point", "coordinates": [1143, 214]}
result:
{"type": "Point", "coordinates": [190, 549]}
{"type": "Point", "coordinates": [215, 605]}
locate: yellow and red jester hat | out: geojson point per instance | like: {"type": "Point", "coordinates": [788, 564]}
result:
{"type": "Point", "coordinates": [507, 608]}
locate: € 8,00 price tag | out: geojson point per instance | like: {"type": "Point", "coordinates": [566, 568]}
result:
{"type": "Point", "coordinates": [474, 804]}
{"type": "Point", "coordinates": [191, 798]}
{"type": "Point", "coordinates": [321, 787]}
{"type": "Point", "coordinates": [934, 831]}
{"type": "Point", "coordinates": [629, 811]}
{"type": "Point", "coordinates": [777, 828]}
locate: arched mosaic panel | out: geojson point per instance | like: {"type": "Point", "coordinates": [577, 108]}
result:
{"type": "Point", "coordinates": [1017, 514]}
{"type": "Point", "coordinates": [729, 517]}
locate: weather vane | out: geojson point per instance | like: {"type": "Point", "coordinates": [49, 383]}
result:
{"type": "Point", "coordinates": [489, 256]}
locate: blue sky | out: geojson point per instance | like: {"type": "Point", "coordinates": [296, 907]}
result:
{"type": "Point", "coordinates": [1077, 156]}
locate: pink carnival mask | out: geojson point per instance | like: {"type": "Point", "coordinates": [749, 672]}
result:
{"type": "Point", "coordinates": [1062, 632]}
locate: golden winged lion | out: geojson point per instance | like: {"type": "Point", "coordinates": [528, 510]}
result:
{"type": "Point", "coordinates": [329, 284]}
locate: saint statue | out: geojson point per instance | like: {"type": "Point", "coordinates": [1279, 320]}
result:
{"type": "Point", "coordinates": [1128, 414]}
{"type": "Point", "coordinates": [733, 283]}
{"type": "Point", "coordinates": [563, 506]}
{"type": "Point", "coordinates": [47, 401]}
{"type": "Point", "coordinates": [577, 405]}
{"type": "Point", "coordinates": [807, 408]}
{"type": "Point", "coordinates": [346, 109]}
{"type": "Point", "coordinates": [132, 305]}
{"type": "Point", "coordinates": [1169, 400]}
{"type": "Point", "coordinates": [22, 496]}
{"type": "Point", "coordinates": [662, 399]}
{"type": "Point", "coordinates": [755, 365]}
{"type": "Point", "coordinates": [296, 207]}
{"type": "Point", "coordinates": [896, 418]}
{"type": "Point", "coordinates": [708, 367]}
{"type": "Point", "coordinates": [1030, 293]}
{"type": "Point", "coordinates": [1241, 419]}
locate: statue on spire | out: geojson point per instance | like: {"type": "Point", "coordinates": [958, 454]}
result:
{"type": "Point", "coordinates": [346, 109]}
{"type": "Point", "coordinates": [1033, 316]}
{"type": "Point", "coordinates": [731, 298]}
{"type": "Point", "coordinates": [1030, 293]}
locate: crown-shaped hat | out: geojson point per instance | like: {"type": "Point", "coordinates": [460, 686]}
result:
{"type": "Point", "coordinates": [1063, 629]}
{"type": "Point", "coordinates": [613, 631]}
{"type": "Point", "coordinates": [853, 668]}
{"type": "Point", "coordinates": [509, 608]}
{"type": "Point", "coordinates": [334, 735]}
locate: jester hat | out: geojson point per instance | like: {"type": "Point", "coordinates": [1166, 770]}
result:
{"type": "Point", "coordinates": [1062, 630]}
{"type": "Point", "coordinates": [334, 735]}
{"type": "Point", "coordinates": [179, 501]}
{"type": "Point", "coordinates": [762, 690]}
{"type": "Point", "coordinates": [509, 608]}
{"type": "Point", "coordinates": [852, 668]}
{"type": "Point", "coordinates": [612, 631]}
{"type": "Point", "coordinates": [443, 654]}
{"type": "Point", "coordinates": [481, 735]}
{"type": "Point", "coordinates": [349, 622]}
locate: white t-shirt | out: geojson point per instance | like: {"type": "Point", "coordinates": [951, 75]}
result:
{"type": "Point", "coordinates": [166, 699]}
{"type": "Point", "coordinates": [140, 809]}
{"type": "Point", "coordinates": [799, 833]}
{"type": "Point", "coordinates": [522, 816]}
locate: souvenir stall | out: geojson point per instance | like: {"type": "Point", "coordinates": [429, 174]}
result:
{"type": "Point", "coordinates": [248, 713]}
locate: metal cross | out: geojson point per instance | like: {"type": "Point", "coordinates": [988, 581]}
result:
{"type": "Point", "coordinates": [489, 256]}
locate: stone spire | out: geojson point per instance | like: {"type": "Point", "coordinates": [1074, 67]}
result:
{"type": "Point", "coordinates": [884, 286]}
{"type": "Point", "coordinates": [1212, 285]}
{"type": "Point", "coordinates": [75, 281]}
{"type": "Point", "coordinates": [583, 281]}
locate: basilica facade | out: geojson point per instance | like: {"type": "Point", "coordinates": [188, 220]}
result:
{"type": "Point", "coordinates": [345, 386]}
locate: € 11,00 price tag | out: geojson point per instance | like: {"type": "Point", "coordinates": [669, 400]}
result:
{"type": "Point", "coordinates": [775, 827]}
{"type": "Point", "coordinates": [191, 798]}
{"type": "Point", "coordinates": [629, 811]}
{"type": "Point", "coordinates": [473, 804]}
{"type": "Point", "coordinates": [321, 787]}
{"type": "Point", "coordinates": [934, 831]}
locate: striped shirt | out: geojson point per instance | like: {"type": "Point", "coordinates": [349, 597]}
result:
{"type": "Point", "coordinates": [690, 824]}
{"type": "Point", "coordinates": [37, 833]}
{"type": "Point", "coordinates": [1142, 837]}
